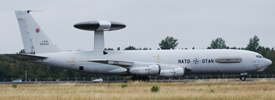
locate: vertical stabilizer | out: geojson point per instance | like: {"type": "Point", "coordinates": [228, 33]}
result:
{"type": "Point", "coordinates": [34, 39]}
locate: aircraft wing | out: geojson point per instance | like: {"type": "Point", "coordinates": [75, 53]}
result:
{"type": "Point", "coordinates": [113, 62]}
{"type": "Point", "coordinates": [126, 64]}
{"type": "Point", "coordinates": [24, 57]}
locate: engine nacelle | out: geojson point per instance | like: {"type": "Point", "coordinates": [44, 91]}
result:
{"type": "Point", "coordinates": [149, 70]}
{"type": "Point", "coordinates": [175, 72]}
{"type": "Point", "coordinates": [157, 70]}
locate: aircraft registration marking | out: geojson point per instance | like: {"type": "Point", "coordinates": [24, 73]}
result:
{"type": "Point", "coordinates": [45, 42]}
{"type": "Point", "coordinates": [196, 61]}
{"type": "Point", "coordinates": [184, 61]}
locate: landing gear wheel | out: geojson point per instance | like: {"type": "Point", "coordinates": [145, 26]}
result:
{"type": "Point", "coordinates": [242, 78]}
{"type": "Point", "coordinates": [145, 79]}
{"type": "Point", "coordinates": [133, 78]}
{"type": "Point", "coordinates": [136, 78]}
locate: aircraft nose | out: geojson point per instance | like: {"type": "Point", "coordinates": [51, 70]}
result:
{"type": "Point", "coordinates": [266, 62]}
{"type": "Point", "coordinates": [269, 62]}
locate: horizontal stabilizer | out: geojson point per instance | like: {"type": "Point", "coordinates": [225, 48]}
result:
{"type": "Point", "coordinates": [25, 57]}
{"type": "Point", "coordinates": [112, 62]}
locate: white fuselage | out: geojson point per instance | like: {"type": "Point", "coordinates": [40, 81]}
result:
{"type": "Point", "coordinates": [200, 61]}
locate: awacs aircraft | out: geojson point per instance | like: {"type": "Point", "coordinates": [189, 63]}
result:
{"type": "Point", "coordinates": [138, 63]}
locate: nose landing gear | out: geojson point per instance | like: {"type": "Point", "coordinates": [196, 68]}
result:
{"type": "Point", "coordinates": [243, 76]}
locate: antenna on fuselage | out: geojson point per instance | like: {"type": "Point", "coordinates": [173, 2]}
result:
{"type": "Point", "coordinates": [99, 27]}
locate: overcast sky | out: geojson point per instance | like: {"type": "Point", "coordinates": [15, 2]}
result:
{"type": "Point", "coordinates": [195, 23]}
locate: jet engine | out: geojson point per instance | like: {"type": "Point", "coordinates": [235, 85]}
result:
{"type": "Point", "coordinates": [157, 71]}
{"type": "Point", "coordinates": [175, 72]}
{"type": "Point", "coordinates": [149, 70]}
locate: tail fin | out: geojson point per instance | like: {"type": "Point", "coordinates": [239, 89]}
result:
{"type": "Point", "coordinates": [34, 39]}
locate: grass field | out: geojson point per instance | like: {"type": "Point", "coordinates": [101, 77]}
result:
{"type": "Point", "coordinates": [139, 91]}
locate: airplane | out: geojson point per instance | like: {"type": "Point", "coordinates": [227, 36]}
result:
{"type": "Point", "coordinates": [138, 63]}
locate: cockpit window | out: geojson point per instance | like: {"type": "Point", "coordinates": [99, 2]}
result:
{"type": "Point", "coordinates": [259, 56]}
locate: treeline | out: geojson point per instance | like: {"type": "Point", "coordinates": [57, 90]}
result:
{"type": "Point", "coordinates": [10, 68]}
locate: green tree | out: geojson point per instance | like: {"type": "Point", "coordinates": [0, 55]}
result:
{"type": "Point", "coordinates": [118, 48]}
{"type": "Point", "coordinates": [271, 56]}
{"type": "Point", "coordinates": [219, 43]}
{"type": "Point", "coordinates": [168, 43]}
{"type": "Point", "coordinates": [253, 43]}
{"type": "Point", "coordinates": [130, 48]}
{"type": "Point", "coordinates": [108, 49]}
{"type": "Point", "coordinates": [31, 75]}
{"type": "Point", "coordinates": [262, 50]}
{"type": "Point", "coordinates": [22, 51]}
{"type": "Point", "coordinates": [42, 74]}
{"type": "Point", "coordinates": [233, 47]}
{"type": "Point", "coordinates": [62, 74]}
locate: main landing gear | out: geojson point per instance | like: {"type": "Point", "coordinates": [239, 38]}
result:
{"type": "Point", "coordinates": [140, 78]}
{"type": "Point", "coordinates": [243, 76]}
